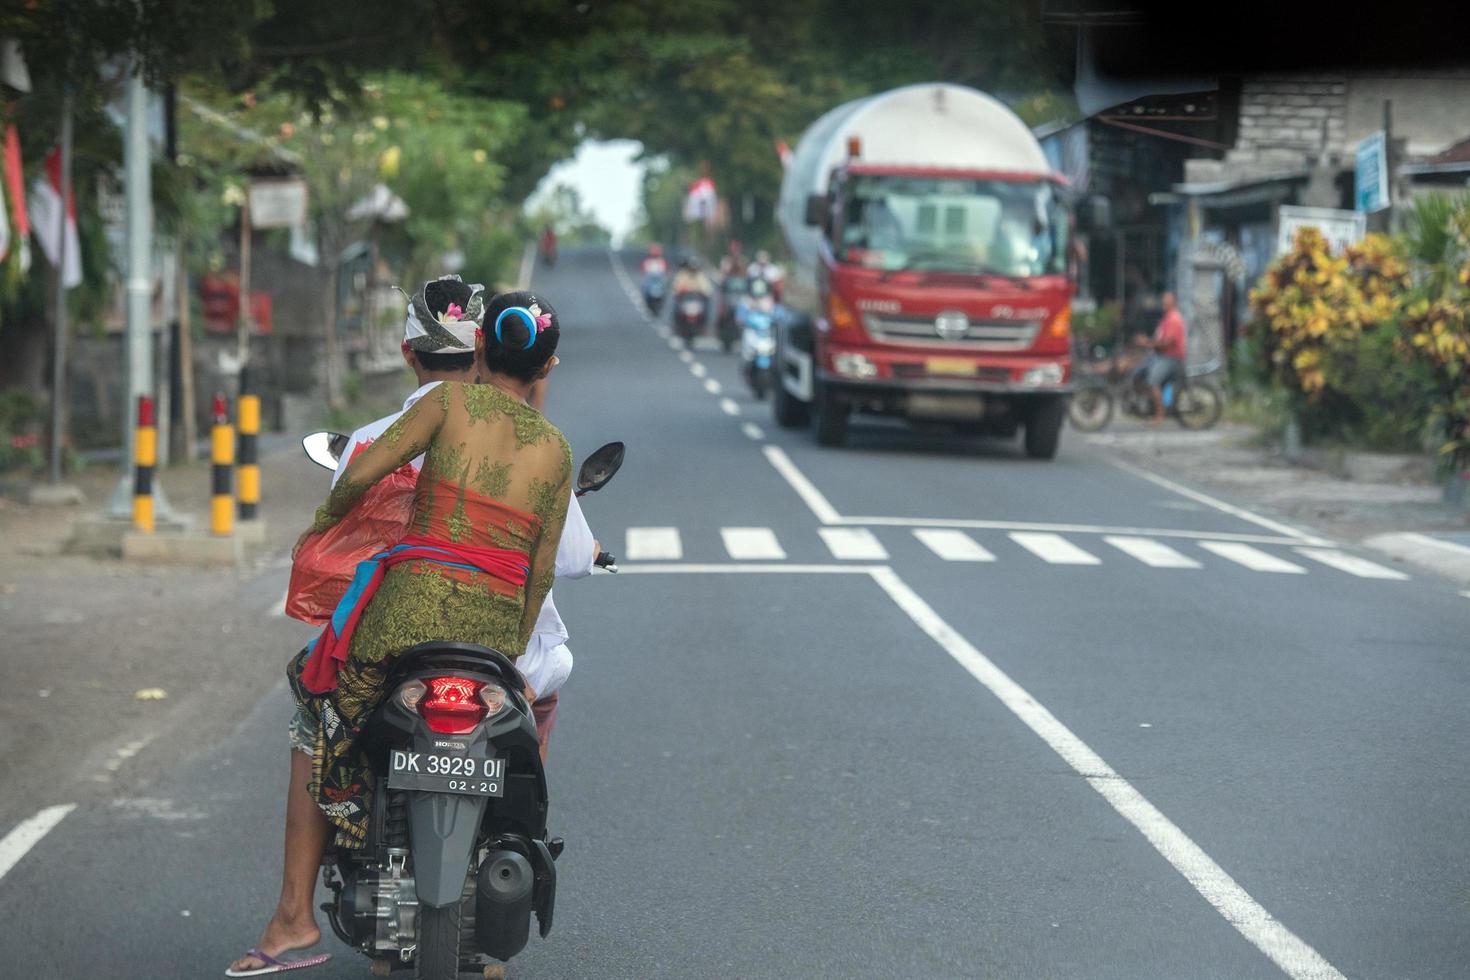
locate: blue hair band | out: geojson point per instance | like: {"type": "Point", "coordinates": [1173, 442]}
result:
{"type": "Point", "coordinates": [525, 315]}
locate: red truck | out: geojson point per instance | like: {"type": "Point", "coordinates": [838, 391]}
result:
{"type": "Point", "coordinates": [932, 278]}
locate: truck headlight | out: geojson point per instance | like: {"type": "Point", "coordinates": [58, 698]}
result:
{"type": "Point", "coordinates": [1042, 375]}
{"type": "Point", "coordinates": [854, 366]}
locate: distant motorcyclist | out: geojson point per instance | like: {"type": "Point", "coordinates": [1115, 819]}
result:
{"type": "Point", "coordinates": [548, 245]}
{"type": "Point", "coordinates": [763, 268]}
{"type": "Point", "coordinates": [691, 278]}
{"type": "Point", "coordinates": [654, 261]}
{"type": "Point", "coordinates": [655, 278]}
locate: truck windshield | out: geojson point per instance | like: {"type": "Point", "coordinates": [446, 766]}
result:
{"type": "Point", "coordinates": [994, 227]}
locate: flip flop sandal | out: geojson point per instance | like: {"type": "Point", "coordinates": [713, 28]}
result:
{"type": "Point", "coordinates": [273, 965]}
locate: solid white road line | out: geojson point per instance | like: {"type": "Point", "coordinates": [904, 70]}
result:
{"type": "Point", "coordinates": [752, 543]}
{"type": "Point", "coordinates": [1428, 542]}
{"type": "Point", "coordinates": [653, 543]}
{"type": "Point", "coordinates": [697, 369]}
{"type": "Point", "coordinates": [753, 431]}
{"type": "Point", "coordinates": [1151, 532]}
{"type": "Point", "coordinates": [853, 543]}
{"type": "Point", "coordinates": [728, 406]}
{"type": "Point", "coordinates": [1219, 505]}
{"type": "Point", "coordinates": [1352, 564]}
{"type": "Point", "coordinates": [1151, 552]}
{"type": "Point", "coordinates": [1256, 561]}
{"type": "Point", "coordinates": [952, 545]}
{"type": "Point", "coordinates": [712, 386]}
{"type": "Point", "coordinates": [1295, 957]}
{"type": "Point", "coordinates": [805, 489]}
{"type": "Point", "coordinates": [28, 833]}
{"type": "Point", "coordinates": [1054, 549]}
{"type": "Point", "coordinates": [732, 568]}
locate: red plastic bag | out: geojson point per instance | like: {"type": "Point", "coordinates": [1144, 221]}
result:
{"type": "Point", "coordinates": [327, 561]}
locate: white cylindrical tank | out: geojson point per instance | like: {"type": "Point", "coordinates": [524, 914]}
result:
{"type": "Point", "coordinates": [933, 124]}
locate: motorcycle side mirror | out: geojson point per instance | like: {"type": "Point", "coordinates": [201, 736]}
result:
{"type": "Point", "coordinates": [599, 468]}
{"type": "Point", "coordinates": [816, 210]}
{"type": "Point", "coordinates": [324, 448]}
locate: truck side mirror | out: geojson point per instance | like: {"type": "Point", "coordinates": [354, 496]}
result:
{"type": "Point", "coordinates": [816, 210]}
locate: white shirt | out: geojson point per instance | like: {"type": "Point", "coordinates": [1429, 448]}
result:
{"type": "Point", "coordinates": [547, 662]}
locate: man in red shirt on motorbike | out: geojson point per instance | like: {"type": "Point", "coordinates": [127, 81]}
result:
{"type": "Point", "coordinates": [1166, 363]}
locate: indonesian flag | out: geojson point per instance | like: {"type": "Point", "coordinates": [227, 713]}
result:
{"type": "Point", "coordinates": [45, 204]}
{"type": "Point", "coordinates": [701, 202]}
{"type": "Point", "coordinates": [12, 196]}
{"type": "Point", "coordinates": [784, 152]}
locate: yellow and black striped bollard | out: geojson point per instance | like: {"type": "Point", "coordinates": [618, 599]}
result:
{"type": "Point", "coordinates": [145, 458]}
{"type": "Point", "coordinates": [222, 456]}
{"type": "Point", "coordinates": [249, 458]}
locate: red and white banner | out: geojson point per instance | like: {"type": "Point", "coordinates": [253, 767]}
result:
{"type": "Point", "coordinates": [784, 152]}
{"type": "Point", "coordinates": [45, 206]}
{"type": "Point", "coordinates": [13, 201]}
{"type": "Point", "coordinates": [701, 203]}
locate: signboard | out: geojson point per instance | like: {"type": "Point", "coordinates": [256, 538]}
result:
{"type": "Point", "coordinates": [1370, 186]}
{"type": "Point", "coordinates": [277, 203]}
{"type": "Point", "coordinates": [1340, 228]}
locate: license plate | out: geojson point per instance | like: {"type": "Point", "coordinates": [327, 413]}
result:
{"type": "Point", "coordinates": [446, 772]}
{"type": "Point", "coordinates": [951, 407]}
{"type": "Point", "coordinates": [692, 309]}
{"type": "Point", "coordinates": [950, 366]}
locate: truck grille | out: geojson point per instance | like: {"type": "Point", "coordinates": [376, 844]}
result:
{"type": "Point", "coordinates": [981, 335]}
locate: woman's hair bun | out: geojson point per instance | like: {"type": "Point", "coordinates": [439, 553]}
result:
{"type": "Point", "coordinates": [521, 333]}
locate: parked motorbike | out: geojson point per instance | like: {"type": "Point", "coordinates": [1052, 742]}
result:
{"type": "Point", "coordinates": [655, 287]}
{"type": "Point", "coordinates": [1193, 401]}
{"type": "Point", "coordinates": [457, 858]}
{"type": "Point", "coordinates": [757, 348]}
{"type": "Point", "coordinates": [691, 310]}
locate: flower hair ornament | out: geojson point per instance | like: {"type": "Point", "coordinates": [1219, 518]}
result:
{"type": "Point", "coordinates": [534, 319]}
{"type": "Point", "coordinates": [443, 316]}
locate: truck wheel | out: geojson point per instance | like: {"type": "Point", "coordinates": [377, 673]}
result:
{"type": "Point", "coordinates": [437, 957]}
{"type": "Point", "coordinates": [831, 414]}
{"type": "Point", "coordinates": [1044, 428]}
{"type": "Point", "coordinates": [790, 413]}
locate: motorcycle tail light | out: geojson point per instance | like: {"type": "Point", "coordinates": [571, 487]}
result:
{"type": "Point", "coordinates": [453, 705]}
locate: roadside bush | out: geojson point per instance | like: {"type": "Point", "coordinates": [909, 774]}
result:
{"type": "Point", "coordinates": [1321, 324]}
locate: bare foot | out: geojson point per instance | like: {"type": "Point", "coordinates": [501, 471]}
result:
{"type": "Point", "coordinates": [281, 937]}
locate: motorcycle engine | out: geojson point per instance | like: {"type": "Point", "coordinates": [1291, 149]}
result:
{"type": "Point", "coordinates": [378, 909]}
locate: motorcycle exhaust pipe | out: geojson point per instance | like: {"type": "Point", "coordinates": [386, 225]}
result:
{"type": "Point", "coordinates": [503, 904]}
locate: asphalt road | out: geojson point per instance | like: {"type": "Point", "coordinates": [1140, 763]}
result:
{"type": "Point", "coordinates": [917, 707]}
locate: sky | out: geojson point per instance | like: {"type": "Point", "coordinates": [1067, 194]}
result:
{"type": "Point", "coordinates": [608, 180]}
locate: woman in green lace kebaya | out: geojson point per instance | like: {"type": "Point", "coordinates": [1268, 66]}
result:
{"type": "Point", "coordinates": [497, 475]}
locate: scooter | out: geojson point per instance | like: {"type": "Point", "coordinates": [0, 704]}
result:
{"type": "Point", "coordinates": [733, 289]}
{"type": "Point", "coordinates": [691, 310]}
{"type": "Point", "coordinates": [457, 858]}
{"type": "Point", "coordinates": [757, 347]}
{"type": "Point", "coordinates": [655, 287]}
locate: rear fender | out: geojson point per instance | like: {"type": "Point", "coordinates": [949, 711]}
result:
{"type": "Point", "coordinates": [442, 829]}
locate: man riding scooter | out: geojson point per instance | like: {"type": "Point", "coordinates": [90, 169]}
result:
{"type": "Point", "coordinates": [692, 292]}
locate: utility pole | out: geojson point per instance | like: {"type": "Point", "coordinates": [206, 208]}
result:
{"type": "Point", "coordinates": [138, 192]}
{"type": "Point", "coordinates": [58, 360]}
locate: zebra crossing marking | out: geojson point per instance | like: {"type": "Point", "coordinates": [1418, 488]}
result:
{"type": "Point", "coordinates": [1053, 548]}
{"type": "Point", "coordinates": [1252, 558]}
{"type": "Point", "coordinates": [1352, 564]}
{"type": "Point", "coordinates": [653, 544]}
{"type": "Point", "coordinates": [752, 543]}
{"type": "Point", "coordinates": [853, 544]}
{"type": "Point", "coordinates": [952, 545]}
{"type": "Point", "coordinates": [1153, 553]}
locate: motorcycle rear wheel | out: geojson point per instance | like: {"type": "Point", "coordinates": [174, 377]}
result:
{"type": "Point", "coordinates": [437, 957]}
{"type": "Point", "coordinates": [1197, 406]}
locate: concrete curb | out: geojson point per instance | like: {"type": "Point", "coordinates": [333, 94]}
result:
{"type": "Point", "coordinates": [1441, 557]}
